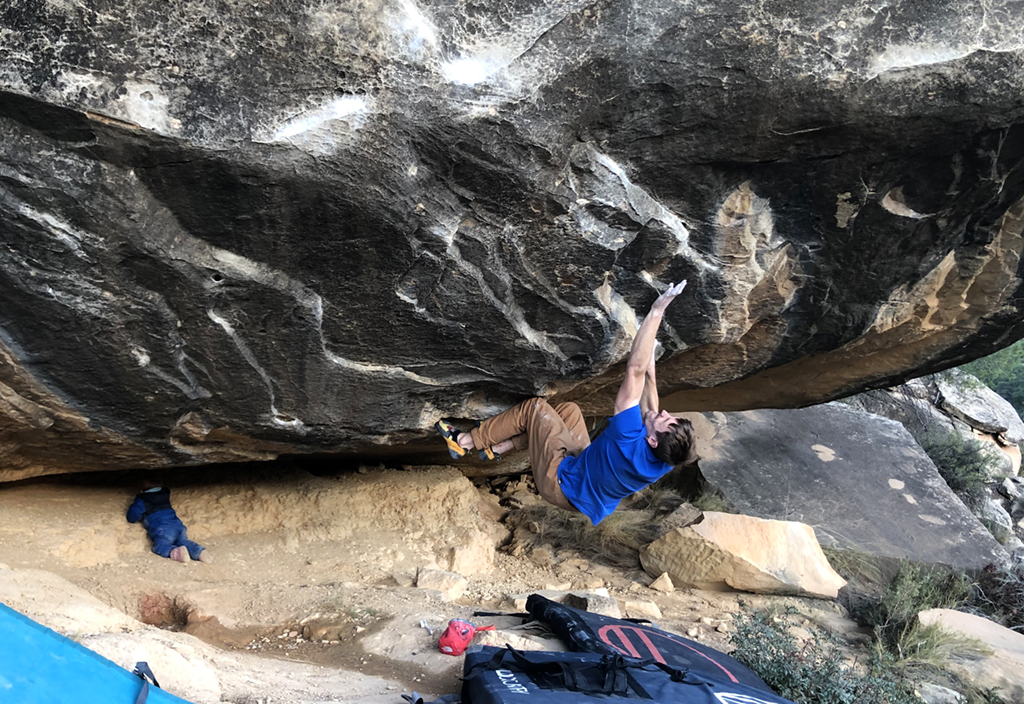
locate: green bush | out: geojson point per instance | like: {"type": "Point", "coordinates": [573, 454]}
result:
{"type": "Point", "coordinates": [913, 589]}
{"type": "Point", "coordinates": [814, 673]}
{"type": "Point", "coordinates": [962, 463]}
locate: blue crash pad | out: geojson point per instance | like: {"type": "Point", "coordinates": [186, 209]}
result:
{"type": "Point", "coordinates": [40, 666]}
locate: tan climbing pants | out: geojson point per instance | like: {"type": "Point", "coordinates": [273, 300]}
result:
{"type": "Point", "coordinates": [550, 433]}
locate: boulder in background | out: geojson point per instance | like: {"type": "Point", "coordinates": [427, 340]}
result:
{"type": "Point", "coordinates": [861, 480]}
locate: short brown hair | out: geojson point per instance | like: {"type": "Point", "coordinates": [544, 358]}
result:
{"type": "Point", "coordinates": [676, 445]}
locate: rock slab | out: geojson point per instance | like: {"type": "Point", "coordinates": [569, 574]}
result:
{"type": "Point", "coordinates": [965, 397]}
{"type": "Point", "coordinates": [727, 551]}
{"type": "Point", "coordinates": [861, 480]}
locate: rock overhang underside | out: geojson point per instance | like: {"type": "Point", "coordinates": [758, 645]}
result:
{"type": "Point", "coordinates": [241, 231]}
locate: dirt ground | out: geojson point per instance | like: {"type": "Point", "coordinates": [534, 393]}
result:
{"type": "Point", "coordinates": [311, 574]}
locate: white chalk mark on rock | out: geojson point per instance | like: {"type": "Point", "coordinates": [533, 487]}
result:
{"type": "Point", "coordinates": [824, 453]}
{"type": "Point", "coordinates": [612, 187]}
{"type": "Point", "coordinates": [351, 109]}
{"type": "Point", "coordinates": [69, 236]}
{"type": "Point", "coordinates": [276, 417]}
{"type": "Point", "coordinates": [469, 71]}
{"type": "Point", "coordinates": [413, 25]}
{"type": "Point", "coordinates": [146, 104]}
{"type": "Point", "coordinates": [894, 202]}
{"type": "Point", "coordinates": [905, 56]}
{"type": "Point", "coordinates": [510, 309]}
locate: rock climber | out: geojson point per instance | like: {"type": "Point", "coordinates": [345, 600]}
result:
{"type": "Point", "coordinates": [152, 506]}
{"type": "Point", "coordinates": [640, 444]}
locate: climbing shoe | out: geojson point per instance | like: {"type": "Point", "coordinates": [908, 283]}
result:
{"type": "Point", "coordinates": [451, 436]}
{"type": "Point", "coordinates": [487, 455]}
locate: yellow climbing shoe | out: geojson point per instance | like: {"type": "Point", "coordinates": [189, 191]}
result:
{"type": "Point", "coordinates": [487, 455]}
{"type": "Point", "coordinates": [451, 436]}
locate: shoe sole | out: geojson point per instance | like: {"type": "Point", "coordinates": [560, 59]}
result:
{"type": "Point", "coordinates": [449, 433]}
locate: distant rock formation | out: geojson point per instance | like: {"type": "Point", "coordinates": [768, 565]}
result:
{"type": "Point", "coordinates": [953, 402]}
{"type": "Point", "coordinates": [310, 228]}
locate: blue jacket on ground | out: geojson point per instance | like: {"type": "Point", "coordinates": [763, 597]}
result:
{"type": "Point", "coordinates": [165, 529]}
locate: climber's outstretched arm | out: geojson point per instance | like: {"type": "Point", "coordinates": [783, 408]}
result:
{"type": "Point", "coordinates": [641, 356]}
{"type": "Point", "coordinates": [649, 399]}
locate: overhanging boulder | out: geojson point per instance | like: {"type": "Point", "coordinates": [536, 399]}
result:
{"type": "Point", "coordinates": [310, 228]}
{"type": "Point", "coordinates": [858, 478]}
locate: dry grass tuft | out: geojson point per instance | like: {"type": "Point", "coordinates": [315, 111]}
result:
{"type": "Point", "coordinates": [615, 541]}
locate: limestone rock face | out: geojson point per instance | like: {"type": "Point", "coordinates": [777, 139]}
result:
{"type": "Point", "coordinates": [319, 227]}
{"type": "Point", "coordinates": [1002, 668]}
{"type": "Point", "coordinates": [746, 553]}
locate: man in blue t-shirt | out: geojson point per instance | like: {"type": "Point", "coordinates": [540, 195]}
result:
{"type": "Point", "coordinates": [640, 444]}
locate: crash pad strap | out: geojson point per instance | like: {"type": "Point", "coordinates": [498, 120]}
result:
{"type": "Point", "coordinates": [143, 671]}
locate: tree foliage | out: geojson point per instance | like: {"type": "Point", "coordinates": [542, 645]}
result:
{"type": "Point", "coordinates": [1003, 372]}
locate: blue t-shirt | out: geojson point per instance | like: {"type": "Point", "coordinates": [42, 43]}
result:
{"type": "Point", "coordinates": [618, 463]}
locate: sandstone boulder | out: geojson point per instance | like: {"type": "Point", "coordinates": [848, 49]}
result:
{"type": "Point", "coordinates": [663, 584]}
{"type": "Point", "coordinates": [745, 553]}
{"type": "Point", "coordinates": [642, 609]}
{"type": "Point", "coordinates": [312, 228]}
{"type": "Point", "coordinates": [963, 396]}
{"type": "Point", "coordinates": [996, 518]}
{"type": "Point", "coordinates": [1003, 668]}
{"type": "Point", "coordinates": [861, 480]}
{"type": "Point", "coordinates": [451, 585]}
{"type": "Point", "coordinates": [687, 514]}
{"type": "Point", "coordinates": [931, 693]}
